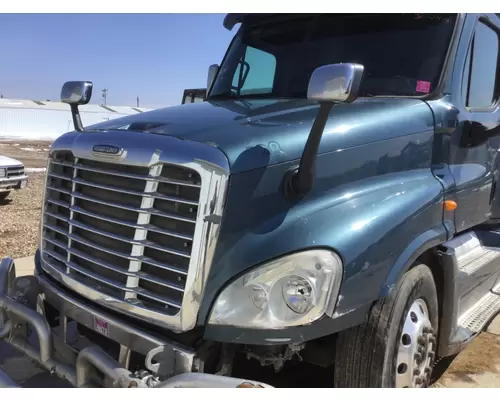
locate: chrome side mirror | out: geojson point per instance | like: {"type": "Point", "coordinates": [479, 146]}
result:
{"type": "Point", "coordinates": [76, 92]}
{"type": "Point", "coordinates": [335, 83]}
{"type": "Point", "coordinates": [212, 73]}
{"type": "Point", "coordinates": [329, 85]}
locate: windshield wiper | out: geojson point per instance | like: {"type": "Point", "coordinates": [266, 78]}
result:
{"type": "Point", "coordinates": [245, 96]}
{"type": "Point", "coordinates": [228, 95]}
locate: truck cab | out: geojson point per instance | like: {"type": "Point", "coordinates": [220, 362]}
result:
{"type": "Point", "coordinates": [193, 95]}
{"type": "Point", "coordinates": [331, 206]}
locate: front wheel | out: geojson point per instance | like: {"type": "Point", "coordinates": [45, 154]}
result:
{"type": "Point", "coordinates": [396, 347]}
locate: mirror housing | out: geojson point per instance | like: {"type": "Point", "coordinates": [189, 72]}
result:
{"type": "Point", "coordinates": [213, 70]}
{"type": "Point", "coordinates": [335, 83]}
{"type": "Point", "coordinates": [76, 92]}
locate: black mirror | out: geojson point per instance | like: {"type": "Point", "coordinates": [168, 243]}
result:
{"type": "Point", "coordinates": [474, 133]}
{"type": "Point", "coordinates": [76, 92]}
{"type": "Point", "coordinates": [212, 73]}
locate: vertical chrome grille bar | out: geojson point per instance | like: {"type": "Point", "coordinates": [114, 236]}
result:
{"type": "Point", "coordinates": [140, 233]}
{"type": "Point", "coordinates": [70, 226]}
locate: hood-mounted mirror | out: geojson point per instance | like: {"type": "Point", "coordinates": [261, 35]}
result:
{"type": "Point", "coordinates": [329, 85]}
{"type": "Point", "coordinates": [76, 93]}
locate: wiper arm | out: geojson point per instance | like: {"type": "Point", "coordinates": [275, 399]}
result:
{"type": "Point", "coordinates": [248, 96]}
{"type": "Point", "coordinates": [117, 129]}
{"type": "Point", "coordinates": [230, 95]}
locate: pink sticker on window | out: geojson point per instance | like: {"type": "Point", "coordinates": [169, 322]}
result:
{"type": "Point", "coordinates": [423, 86]}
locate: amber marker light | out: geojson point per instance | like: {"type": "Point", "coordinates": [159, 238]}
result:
{"type": "Point", "coordinates": [449, 205]}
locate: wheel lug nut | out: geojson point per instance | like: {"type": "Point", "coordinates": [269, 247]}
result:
{"type": "Point", "coordinates": [425, 330]}
{"type": "Point", "coordinates": [427, 370]}
{"type": "Point", "coordinates": [416, 371]}
{"type": "Point", "coordinates": [421, 350]}
{"type": "Point", "coordinates": [421, 340]}
{"type": "Point", "coordinates": [418, 358]}
{"type": "Point", "coordinates": [418, 381]}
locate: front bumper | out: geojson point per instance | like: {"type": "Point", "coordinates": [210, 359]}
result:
{"type": "Point", "coordinates": [13, 183]}
{"type": "Point", "coordinates": [23, 304]}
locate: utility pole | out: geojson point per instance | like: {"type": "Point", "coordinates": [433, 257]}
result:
{"type": "Point", "coordinates": [137, 101]}
{"type": "Point", "coordinates": [104, 95]}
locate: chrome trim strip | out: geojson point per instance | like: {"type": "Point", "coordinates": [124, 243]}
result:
{"type": "Point", "coordinates": [149, 150]}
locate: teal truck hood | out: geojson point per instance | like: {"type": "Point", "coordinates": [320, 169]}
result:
{"type": "Point", "coordinates": [259, 133]}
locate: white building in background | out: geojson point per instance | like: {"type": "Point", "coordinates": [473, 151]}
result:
{"type": "Point", "coordinates": [33, 119]}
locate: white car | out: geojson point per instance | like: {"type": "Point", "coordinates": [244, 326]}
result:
{"type": "Point", "coordinates": [12, 176]}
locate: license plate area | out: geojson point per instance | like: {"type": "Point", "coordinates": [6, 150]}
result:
{"type": "Point", "coordinates": [74, 337]}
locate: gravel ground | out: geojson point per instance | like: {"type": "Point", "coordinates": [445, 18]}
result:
{"type": "Point", "coordinates": [477, 366]}
{"type": "Point", "coordinates": [21, 211]}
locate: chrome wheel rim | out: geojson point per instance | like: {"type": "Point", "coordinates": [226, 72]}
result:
{"type": "Point", "coordinates": [416, 348]}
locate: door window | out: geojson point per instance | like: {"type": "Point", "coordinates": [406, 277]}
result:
{"type": "Point", "coordinates": [481, 68]}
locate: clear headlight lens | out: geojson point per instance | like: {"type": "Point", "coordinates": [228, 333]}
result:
{"type": "Point", "coordinates": [293, 290]}
{"type": "Point", "coordinates": [2, 172]}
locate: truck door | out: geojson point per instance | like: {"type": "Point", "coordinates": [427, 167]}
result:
{"type": "Point", "coordinates": [474, 166]}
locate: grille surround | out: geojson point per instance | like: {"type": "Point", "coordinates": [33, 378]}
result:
{"type": "Point", "coordinates": [15, 171]}
{"type": "Point", "coordinates": [134, 302]}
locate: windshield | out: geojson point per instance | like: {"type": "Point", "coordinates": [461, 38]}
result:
{"type": "Point", "coordinates": [403, 54]}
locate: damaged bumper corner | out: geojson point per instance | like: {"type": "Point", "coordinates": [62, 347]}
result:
{"type": "Point", "coordinates": [20, 307]}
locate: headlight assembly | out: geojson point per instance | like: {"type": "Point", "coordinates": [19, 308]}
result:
{"type": "Point", "coordinates": [2, 172]}
{"type": "Point", "coordinates": [293, 290]}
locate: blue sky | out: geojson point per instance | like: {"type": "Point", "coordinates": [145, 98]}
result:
{"type": "Point", "coordinates": [153, 56]}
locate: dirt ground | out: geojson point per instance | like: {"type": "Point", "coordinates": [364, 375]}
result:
{"type": "Point", "coordinates": [477, 366]}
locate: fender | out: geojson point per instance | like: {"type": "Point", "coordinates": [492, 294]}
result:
{"type": "Point", "coordinates": [374, 223]}
{"type": "Point", "coordinates": [431, 238]}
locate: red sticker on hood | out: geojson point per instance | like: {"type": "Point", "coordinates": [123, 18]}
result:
{"type": "Point", "coordinates": [423, 87]}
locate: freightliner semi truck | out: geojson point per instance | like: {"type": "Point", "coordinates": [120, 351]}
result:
{"type": "Point", "coordinates": [331, 206]}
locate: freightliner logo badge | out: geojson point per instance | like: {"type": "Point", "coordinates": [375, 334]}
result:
{"type": "Point", "coordinates": [106, 149]}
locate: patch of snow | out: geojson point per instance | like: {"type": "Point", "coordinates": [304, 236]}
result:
{"type": "Point", "coordinates": [29, 135]}
{"type": "Point", "coordinates": [33, 170]}
{"type": "Point", "coordinates": [29, 149]}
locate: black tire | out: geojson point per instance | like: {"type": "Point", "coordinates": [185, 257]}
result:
{"type": "Point", "coordinates": [3, 195]}
{"type": "Point", "coordinates": [366, 354]}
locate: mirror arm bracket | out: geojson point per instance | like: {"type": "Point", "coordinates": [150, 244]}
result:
{"type": "Point", "coordinates": [77, 121]}
{"type": "Point", "coordinates": [299, 180]}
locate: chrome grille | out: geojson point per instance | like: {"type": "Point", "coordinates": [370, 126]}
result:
{"type": "Point", "coordinates": [125, 231]}
{"type": "Point", "coordinates": [15, 171]}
